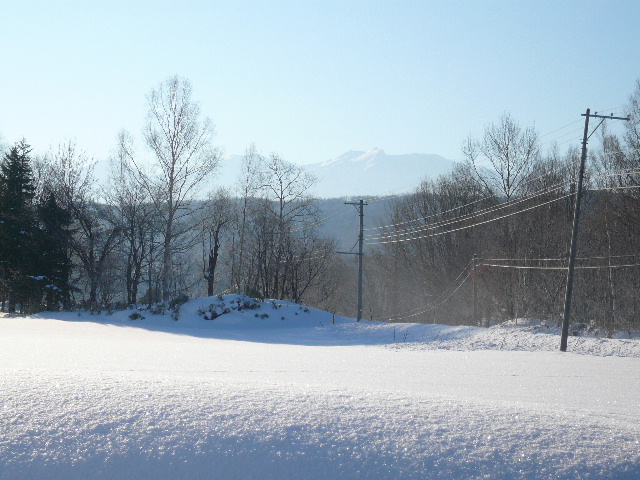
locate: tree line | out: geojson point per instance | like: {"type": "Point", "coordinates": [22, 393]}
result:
{"type": "Point", "coordinates": [150, 235]}
{"type": "Point", "coordinates": [511, 206]}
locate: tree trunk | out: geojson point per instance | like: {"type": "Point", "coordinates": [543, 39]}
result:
{"type": "Point", "coordinates": [93, 293]}
{"type": "Point", "coordinates": [166, 262]}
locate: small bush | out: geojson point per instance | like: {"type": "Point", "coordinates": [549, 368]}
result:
{"type": "Point", "coordinates": [136, 316]}
{"type": "Point", "coordinates": [179, 300]}
{"type": "Point", "coordinates": [159, 308]}
{"type": "Point", "coordinates": [249, 304]}
{"type": "Point", "coordinates": [578, 328]}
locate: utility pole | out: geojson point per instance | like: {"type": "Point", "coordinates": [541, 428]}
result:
{"type": "Point", "coordinates": [360, 205]}
{"type": "Point", "coordinates": [475, 290]}
{"type": "Point", "coordinates": [576, 221]}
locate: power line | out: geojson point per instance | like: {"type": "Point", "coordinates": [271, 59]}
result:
{"type": "Point", "coordinates": [432, 307]}
{"type": "Point", "coordinates": [558, 129]}
{"type": "Point", "coordinates": [469, 216]}
{"type": "Point", "coordinates": [625, 187]}
{"type": "Point", "coordinates": [321, 221]}
{"type": "Point", "coordinates": [525, 259]}
{"type": "Point", "coordinates": [422, 228]}
{"type": "Point", "coordinates": [488, 197]}
{"type": "Point", "coordinates": [611, 110]}
{"type": "Point", "coordinates": [554, 172]}
{"type": "Point", "coordinates": [473, 225]}
{"type": "Point", "coordinates": [579, 267]}
{"type": "Point", "coordinates": [616, 173]}
{"type": "Point", "coordinates": [553, 140]}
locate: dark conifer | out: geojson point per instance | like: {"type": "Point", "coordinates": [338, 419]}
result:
{"type": "Point", "coordinates": [54, 251]}
{"type": "Point", "coordinates": [18, 230]}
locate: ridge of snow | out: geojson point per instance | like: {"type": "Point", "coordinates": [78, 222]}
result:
{"type": "Point", "coordinates": [281, 321]}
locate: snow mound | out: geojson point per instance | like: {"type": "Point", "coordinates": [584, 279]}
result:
{"type": "Point", "coordinates": [277, 321]}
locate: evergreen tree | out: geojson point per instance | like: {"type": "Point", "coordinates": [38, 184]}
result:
{"type": "Point", "coordinates": [18, 230]}
{"type": "Point", "coordinates": [54, 251]}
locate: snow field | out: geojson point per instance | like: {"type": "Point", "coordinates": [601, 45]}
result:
{"type": "Point", "coordinates": [250, 397]}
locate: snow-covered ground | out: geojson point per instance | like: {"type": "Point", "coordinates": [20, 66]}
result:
{"type": "Point", "coordinates": [285, 392]}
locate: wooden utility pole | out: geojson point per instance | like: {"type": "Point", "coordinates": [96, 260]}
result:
{"type": "Point", "coordinates": [475, 290]}
{"type": "Point", "coordinates": [360, 253]}
{"type": "Point", "coordinates": [576, 221]}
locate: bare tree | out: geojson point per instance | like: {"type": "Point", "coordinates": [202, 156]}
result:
{"type": "Point", "coordinates": [181, 143]}
{"type": "Point", "coordinates": [134, 211]}
{"type": "Point", "coordinates": [248, 186]}
{"type": "Point", "coordinates": [96, 231]}
{"type": "Point", "coordinates": [510, 153]}
{"type": "Point", "coordinates": [503, 162]}
{"type": "Point", "coordinates": [218, 214]}
{"type": "Point", "coordinates": [285, 189]}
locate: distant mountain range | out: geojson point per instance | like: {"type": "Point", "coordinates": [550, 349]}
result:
{"type": "Point", "coordinates": [358, 173]}
{"type": "Point", "coordinates": [352, 174]}
{"type": "Point", "coordinates": [376, 173]}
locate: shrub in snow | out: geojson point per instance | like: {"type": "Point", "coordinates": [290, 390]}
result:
{"type": "Point", "coordinates": [159, 308]}
{"type": "Point", "coordinates": [136, 316]}
{"type": "Point", "coordinates": [248, 304]}
{"type": "Point", "coordinates": [179, 300]}
{"type": "Point", "coordinates": [214, 311]}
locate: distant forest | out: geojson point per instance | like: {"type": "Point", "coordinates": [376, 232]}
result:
{"type": "Point", "coordinates": [486, 243]}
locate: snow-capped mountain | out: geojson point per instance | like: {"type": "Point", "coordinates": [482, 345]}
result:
{"type": "Point", "coordinates": [358, 173]}
{"type": "Point", "coordinates": [354, 173]}
{"type": "Point", "coordinates": [376, 173]}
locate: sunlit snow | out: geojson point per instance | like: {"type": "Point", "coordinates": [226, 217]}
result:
{"type": "Point", "coordinates": [286, 392]}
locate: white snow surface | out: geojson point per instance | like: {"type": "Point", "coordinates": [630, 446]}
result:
{"type": "Point", "coordinates": [286, 392]}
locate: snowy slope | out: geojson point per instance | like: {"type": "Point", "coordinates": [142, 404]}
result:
{"type": "Point", "coordinates": [283, 392]}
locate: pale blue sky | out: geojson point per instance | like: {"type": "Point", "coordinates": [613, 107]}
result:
{"type": "Point", "coordinates": [313, 79]}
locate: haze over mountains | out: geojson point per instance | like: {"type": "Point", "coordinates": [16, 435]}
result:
{"type": "Point", "coordinates": [358, 173]}
{"type": "Point", "coordinates": [352, 174]}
